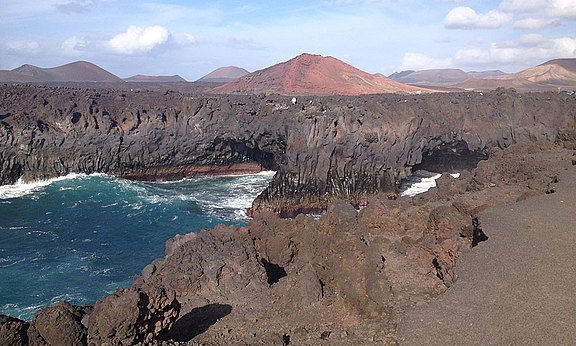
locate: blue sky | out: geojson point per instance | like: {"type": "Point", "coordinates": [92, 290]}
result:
{"type": "Point", "coordinates": [192, 38]}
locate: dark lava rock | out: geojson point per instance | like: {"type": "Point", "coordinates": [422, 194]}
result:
{"type": "Point", "coordinates": [345, 278]}
{"type": "Point", "coordinates": [288, 281]}
{"type": "Point", "coordinates": [13, 332]}
{"type": "Point", "coordinates": [324, 148]}
{"type": "Point", "coordinates": [58, 324]}
{"type": "Point", "coordinates": [131, 316]}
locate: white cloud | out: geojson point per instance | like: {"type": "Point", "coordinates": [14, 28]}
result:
{"type": "Point", "coordinates": [137, 40]}
{"type": "Point", "coordinates": [535, 23]}
{"type": "Point", "coordinates": [23, 47]}
{"type": "Point", "coordinates": [543, 8]}
{"type": "Point", "coordinates": [529, 49]}
{"type": "Point", "coordinates": [417, 61]}
{"type": "Point", "coordinates": [73, 45]}
{"type": "Point", "coordinates": [565, 47]}
{"type": "Point", "coordinates": [523, 5]}
{"type": "Point", "coordinates": [466, 18]}
{"type": "Point", "coordinates": [185, 39]}
{"type": "Point", "coordinates": [563, 8]}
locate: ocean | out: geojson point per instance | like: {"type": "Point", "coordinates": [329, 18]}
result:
{"type": "Point", "coordinates": [80, 237]}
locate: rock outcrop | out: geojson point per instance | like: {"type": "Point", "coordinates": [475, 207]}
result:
{"type": "Point", "coordinates": [13, 331]}
{"type": "Point", "coordinates": [132, 316]}
{"type": "Point", "coordinates": [345, 278]}
{"type": "Point", "coordinates": [323, 148]}
{"type": "Point", "coordinates": [59, 324]}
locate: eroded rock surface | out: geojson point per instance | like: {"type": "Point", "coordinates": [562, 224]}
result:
{"type": "Point", "coordinates": [59, 324]}
{"type": "Point", "coordinates": [343, 279]}
{"type": "Point", "coordinates": [131, 316]}
{"type": "Point", "coordinates": [13, 331]}
{"type": "Point", "coordinates": [323, 148]}
{"type": "Point", "coordinates": [347, 277]}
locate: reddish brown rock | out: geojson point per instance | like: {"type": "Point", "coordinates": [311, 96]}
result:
{"type": "Point", "coordinates": [13, 331]}
{"type": "Point", "coordinates": [131, 316]}
{"type": "Point", "coordinates": [309, 74]}
{"type": "Point", "coordinates": [59, 324]}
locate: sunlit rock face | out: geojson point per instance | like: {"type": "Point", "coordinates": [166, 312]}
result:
{"type": "Point", "coordinates": [323, 148]}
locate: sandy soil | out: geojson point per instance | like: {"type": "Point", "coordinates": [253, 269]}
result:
{"type": "Point", "coordinates": [517, 288]}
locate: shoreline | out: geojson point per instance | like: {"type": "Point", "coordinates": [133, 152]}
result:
{"type": "Point", "coordinates": [352, 271]}
{"type": "Point", "coordinates": [176, 173]}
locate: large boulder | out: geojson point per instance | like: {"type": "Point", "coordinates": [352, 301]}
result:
{"type": "Point", "coordinates": [13, 331]}
{"type": "Point", "coordinates": [58, 324]}
{"type": "Point", "coordinates": [131, 316]}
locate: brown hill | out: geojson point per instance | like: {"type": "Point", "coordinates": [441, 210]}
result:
{"type": "Point", "coordinates": [11, 76]}
{"type": "Point", "coordinates": [567, 63]}
{"type": "Point", "coordinates": [484, 74]}
{"type": "Point", "coordinates": [552, 75]}
{"type": "Point", "coordinates": [224, 74]}
{"type": "Point", "coordinates": [155, 79]}
{"type": "Point", "coordinates": [317, 75]}
{"type": "Point", "coordinates": [432, 77]}
{"type": "Point", "coordinates": [79, 71]}
{"type": "Point", "coordinates": [558, 71]}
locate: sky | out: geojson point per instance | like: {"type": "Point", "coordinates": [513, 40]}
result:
{"type": "Point", "coordinates": [192, 38]}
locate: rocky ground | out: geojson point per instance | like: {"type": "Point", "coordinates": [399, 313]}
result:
{"type": "Point", "coordinates": [324, 148]}
{"type": "Point", "coordinates": [346, 278]}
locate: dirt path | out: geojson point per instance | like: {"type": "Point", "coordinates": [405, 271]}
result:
{"type": "Point", "coordinates": [518, 287]}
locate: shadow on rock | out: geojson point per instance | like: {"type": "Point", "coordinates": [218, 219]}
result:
{"type": "Point", "coordinates": [197, 321]}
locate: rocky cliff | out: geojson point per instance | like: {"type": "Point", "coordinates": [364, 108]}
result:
{"type": "Point", "coordinates": [323, 148]}
{"type": "Point", "coordinates": [345, 279]}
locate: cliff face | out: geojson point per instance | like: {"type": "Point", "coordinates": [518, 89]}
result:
{"type": "Point", "coordinates": [323, 148]}
{"type": "Point", "coordinates": [344, 279]}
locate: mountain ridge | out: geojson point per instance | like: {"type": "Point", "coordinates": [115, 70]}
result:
{"type": "Point", "coordinates": [155, 79]}
{"type": "Point", "coordinates": [224, 74]}
{"type": "Point", "coordinates": [78, 71]}
{"type": "Point", "coordinates": [314, 75]}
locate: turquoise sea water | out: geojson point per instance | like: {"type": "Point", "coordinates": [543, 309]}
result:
{"type": "Point", "coordinates": [80, 237]}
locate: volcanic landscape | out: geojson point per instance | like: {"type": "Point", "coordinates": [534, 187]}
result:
{"type": "Point", "coordinates": [374, 266]}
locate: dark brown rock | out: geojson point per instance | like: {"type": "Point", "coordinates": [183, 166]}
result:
{"type": "Point", "coordinates": [323, 148]}
{"type": "Point", "coordinates": [58, 324]}
{"type": "Point", "coordinates": [131, 316]}
{"type": "Point", "coordinates": [13, 332]}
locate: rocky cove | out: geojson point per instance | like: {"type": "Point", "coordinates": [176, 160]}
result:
{"type": "Point", "coordinates": [343, 279]}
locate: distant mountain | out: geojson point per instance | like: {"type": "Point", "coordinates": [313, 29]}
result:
{"type": "Point", "coordinates": [552, 75]}
{"type": "Point", "coordinates": [396, 75]}
{"type": "Point", "coordinates": [566, 63]}
{"type": "Point", "coordinates": [224, 74]}
{"type": "Point", "coordinates": [79, 71]}
{"type": "Point", "coordinates": [155, 79]}
{"type": "Point", "coordinates": [484, 74]}
{"type": "Point", "coordinates": [557, 71]}
{"type": "Point", "coordinates": [431, 77]}
{"type": "Point", "coordinates": [316, 75]}
{"type": "Point", "coordinates": [11, 76]}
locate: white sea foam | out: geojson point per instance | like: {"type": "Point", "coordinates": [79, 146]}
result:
{"type": "Point", "coordinates": [420, 182]}
{"type": "Point", "coordinates": [21, 188]}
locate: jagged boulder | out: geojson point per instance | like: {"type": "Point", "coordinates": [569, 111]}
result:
{"type": "Point", "coordinates": [131, 316]}
{"type": "Point", "coordinates": [58, 324]}
{"type": "Point", "coordinates": [13, 331]}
